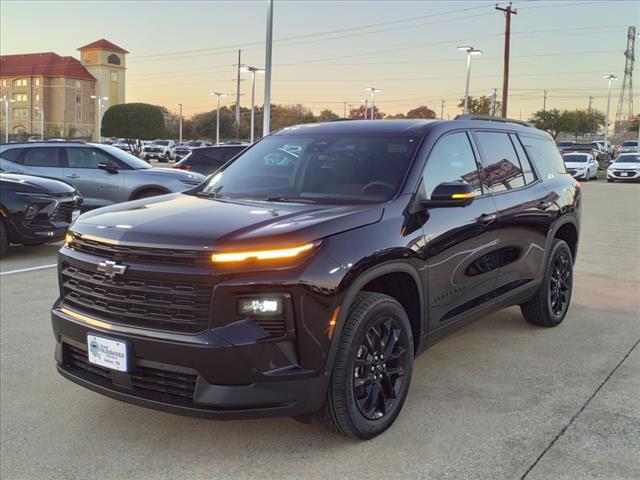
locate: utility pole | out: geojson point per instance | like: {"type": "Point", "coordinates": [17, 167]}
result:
{"type": "Point", "coordinates": [238, 96]}
{"type": "Point", "coordinates": [544, 102]}
{"type": "Point", "coordinates": [442, 109]}
{"type": "Point", "coordinates": [508, 11]}
{"type": "Point", "coordinates": [180, 128]}
{"type": "Point", "coordinates": [266, 111]}
{"type": "Point", "coordinates": [494, 103]}
{"type": "Point", "coordinates": [595, 127]}
{"type": "Point", "coordinates": [350, 107]}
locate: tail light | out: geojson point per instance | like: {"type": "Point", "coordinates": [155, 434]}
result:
{"type": "Point", "coordinates": [183, 167]}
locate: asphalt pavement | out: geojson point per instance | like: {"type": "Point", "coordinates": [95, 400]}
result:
{"type": "Point", "coordinates": [500, 399]}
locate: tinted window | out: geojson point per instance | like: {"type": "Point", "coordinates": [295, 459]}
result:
{"type": "Point", "coordinates": [527, 170]}
{"type": "Point", "coordinates": [85, 158]}
{"type": "Point", "coordinates": [232, 152]}
{"type": "Point", "coordinates": [11, 154]}
{"type": "Point", "coordinates": [451, 160]}
{"type": "Point", "coordinates": [502, 169]}
{"type": "Point", "coordinates": [629, 143]}
{"type": "Point", "coordinates": [542, 150]}
{"type": "Point", "coordinates": [41, 157]}
{"type": "Point", "coordinates": [575, 158]}
{"type": "Point", "coordinates": [628, 159]}
{"type": "Point", "coordinates": [216, 154]}
{"type": "Point", "coordinates": [329, 168]}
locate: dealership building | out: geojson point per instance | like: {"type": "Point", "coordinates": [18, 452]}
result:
{"type": "Point", "coordinates": [61, 93]}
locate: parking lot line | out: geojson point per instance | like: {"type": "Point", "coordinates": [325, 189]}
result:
{"type": "Point", "coordinates": [30, 269]}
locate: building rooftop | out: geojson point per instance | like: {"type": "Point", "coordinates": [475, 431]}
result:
{"type": "Point", "coordinates": [103, 44]}
{"type": "Point", "coordinates": [47, 64]}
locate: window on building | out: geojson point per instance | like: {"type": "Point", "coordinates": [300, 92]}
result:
{"type": "Point", "coordinates": [502, 169]}
{"type": "Point", "coordinates": [78, 84]}
{"type": "Point", "coordinates": [4, 83]}
{"type": "Point", "coordinates": [20, 97]}
{"type": "Point", "coordinates": [37, 97]}
{"type": "Point", "coordinates": [79, 116]}
{"type": "Point", "coordinates": [20, 112]}
{"type": "Point", "coordinates": [78, 99]}
{"type": "Point", "coordinates": [92, 101]}
{"type": "Point", "coordinates": [20, 82]}
{"type": "Point", "coordinates": [114, 76]}
{"type": "Point", "coordinates": [37, 82]}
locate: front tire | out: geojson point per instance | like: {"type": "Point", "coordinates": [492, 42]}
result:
{"type": "Point", "coordinates": [4, 238]}
{"type": "Point", "coordinates": [372, 370]}
{"type": "Point", "coordinates": [551, 303]}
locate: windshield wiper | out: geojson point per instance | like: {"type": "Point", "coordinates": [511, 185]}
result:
{"type": "Point", "coordinates": [287, 199]}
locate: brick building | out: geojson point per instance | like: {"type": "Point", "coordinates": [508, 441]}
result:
{"type": "Point", "coordinates": [61, 88]}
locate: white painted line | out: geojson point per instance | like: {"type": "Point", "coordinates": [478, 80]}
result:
{"type": "Point", "coordinates": [30, 269]}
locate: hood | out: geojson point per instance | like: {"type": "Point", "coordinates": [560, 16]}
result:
{"type": "Point", "coordinates": [186, 221]}
{"type": "Point", "coordinates": [175, 173]}
{"type": "Point", "coordinates": [576, 165]}
{"type": "Point", "coordinates": [625, 165]}
{"type": "Point", "coordinates": [30, 183]}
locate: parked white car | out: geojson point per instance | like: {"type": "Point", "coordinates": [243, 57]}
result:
{"type": "Point", "coordinates": [628, 146]}
{"type": "Point", "coordinates": [159, 149]}
{"type": "Point", "coordinates": [581, 166]}
{"type": "Point", "coordinates": [624, 168]}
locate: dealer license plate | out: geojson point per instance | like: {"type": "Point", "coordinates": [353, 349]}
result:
{"type": "Point", "coordinates": [74, 215]}
{"type": "Point", "coordinates": [624, 174]}
{"type": "Point", "coordinates": [107, 353]}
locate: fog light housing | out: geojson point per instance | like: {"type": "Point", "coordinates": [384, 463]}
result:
{"type": "Point", "coordinates": [31, 211]}
{"type": "Point", "coordinates": [260, 306]}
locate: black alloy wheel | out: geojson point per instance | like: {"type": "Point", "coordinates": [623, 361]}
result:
{"type": "Point", "coordinates": [560, 284]}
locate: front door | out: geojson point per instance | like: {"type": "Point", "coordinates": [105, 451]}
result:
{"type": "Point", "coordinates": [461, 242]}
{"type": "Point", "coordinates": [98, 187]}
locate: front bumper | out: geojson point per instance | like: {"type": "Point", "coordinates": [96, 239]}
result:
{"type": "Point", "coordinates": [157, 155]}
{"type": "Point", "coordinates": [578, 174]}
{"type": "Point", "coordinates": [167, 374]}
{"type": "Point", "coordinates": [623, 175]}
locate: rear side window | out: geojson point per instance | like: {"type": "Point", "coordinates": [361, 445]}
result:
{"type": "Point", "coordinates": [502, 168]}
{"type": "Point", "coordinates": [11, 154]}
{"type": "Point", "coordinates": [527, 170]}
{"type": "Point", "coordinates": [451, 160]}
{"type": "Point", "coordinates": [232, 152]}
{"type": "Point", "coordinates": [41, 157]}
{"type": "Point", "coordinates": [85, 158]}
{"type": "Point", "coordinates": [543, 151]}
{"type": "Point", "coordinates": [217, 154]}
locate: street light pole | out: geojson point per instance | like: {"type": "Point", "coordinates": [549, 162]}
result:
{"type": "Point", "coordinates": [266, 113]}
{"type": "Point", "coordinates": [41, 113]}
{"type": "Point", "coordinates": [180, 125]}
{"type": "Point", "coordinates": [610, 77]}
{"type": "Point", "coordinates": [373, 91]}
{"type": "Point", "coordinates": [366, 106]}
{"type": "Point", "coordinates": [470, 51]}
{"type": "Point", "coordinates": [100, 99]}
{"type": "Point", "coordinates": [253, 70]}
{"type": "Point", "coordinates": [218, 95]}
{"type": "Point", "coordinates": [6, 101]}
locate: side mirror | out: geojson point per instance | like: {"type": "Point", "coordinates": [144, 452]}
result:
{"type": "Point", "coordinates": [449, 194]}
{"type": "Point", "coordinates": [108, 168]}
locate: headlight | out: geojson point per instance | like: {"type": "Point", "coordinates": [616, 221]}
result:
{"type": "Point", "coordinates": [35, 195]}
{"type": "Point", "coordinates": [276, 254]}
{"type": "Point", "coordinates": [260, 306]}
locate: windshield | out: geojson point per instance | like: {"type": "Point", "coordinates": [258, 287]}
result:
{"type": "Point", "coordinates": [318, 168]}
{"type": "Point", "coordinates": [565, 144]}
{"type": "Point", "coordinates": [575, 158]}
{"type": "Point", "coordinates": [629, 144]}
{"type": "Point", "coordinates": [193, 144]}
{"type": "Point", "coordinates": [133, 162]}
{"type": "Point", "coordinates": [160, 142]}
{"type": "Point", "coordinates": [628, 159]}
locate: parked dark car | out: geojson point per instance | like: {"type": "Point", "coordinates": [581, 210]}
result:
{"type": "Point", "coordinates": [565, 145]}
{"type": "Point", "coordinates": [206, 160]}
{"type": "Point", "coordinates": [594, 148]}
{"type": "Point", "coordinates": [184, 148]}
{"type": "Point", "coordinates": [306, 275]}
{"type": "Point", "coordinates": [35, 210]}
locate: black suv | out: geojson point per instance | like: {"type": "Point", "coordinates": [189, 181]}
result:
{"type": "Point", "coordinates": [35, 210]}
{"type": "Point", "coordinates": [306, 275]}
{"type": "Point", "coordinates": [206, 160]}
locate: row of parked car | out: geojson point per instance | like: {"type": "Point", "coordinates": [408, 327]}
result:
{"type": "Point", "coordinates": [583, 160]}
{"type": "Point", "coordinates": [161, 150]}
{"type": "Point", "coordinates": [45, 185]}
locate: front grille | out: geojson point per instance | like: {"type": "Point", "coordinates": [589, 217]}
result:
{"type": "Point", "coordinates": [161, 305]}
{"type": "Point", "coordinates": [274, 326]}
{"type": "Point", "coordinates": [153, 150]}
{"type": "Point", "coordinates": [627, 173]}
{"type": "Point", "coordinates": [163, 381]}
{"type": "Point", "coordinates": [158, 256]}
{"type": "Point", "coordinates": [62, 213]}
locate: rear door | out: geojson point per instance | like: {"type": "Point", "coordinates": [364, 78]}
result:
{"type": "Point", "coordinates": [461, 242]}
{"type": "Point", "coordinates": [524, 208]}
{"type": "Point", "coordinates": [98, 187]}
{"type": "Point", "coordinates": [43, 161]}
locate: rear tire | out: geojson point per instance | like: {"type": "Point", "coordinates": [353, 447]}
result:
{"type": "Point", "coordinates": [551, 303]}
{"type": "Point", "coordinates": [4, 238]}
{"type": "Point", "coordinates": [372, 369]}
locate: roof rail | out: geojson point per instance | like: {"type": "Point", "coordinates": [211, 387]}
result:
{"type": "Point", "coordinates": [490, 118]}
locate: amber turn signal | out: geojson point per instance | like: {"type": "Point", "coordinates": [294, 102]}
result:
{"type": "Point", "coordinates": [290, 252]}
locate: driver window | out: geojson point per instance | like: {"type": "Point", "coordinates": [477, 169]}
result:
{"type": "Point", "coordinates": [451, 160]}
{"type": "Point", "coordinates": [86, 158]}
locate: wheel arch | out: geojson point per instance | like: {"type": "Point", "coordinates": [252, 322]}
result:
{"type": "Point", "coordinates": [398, 279]}
{"type": "Point", "coordinates": [568, 231]}
{"type": "Point", "coordinates": [145, 188]}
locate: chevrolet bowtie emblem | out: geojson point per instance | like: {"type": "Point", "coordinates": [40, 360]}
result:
{"type": "Point", "coordinates": [111, 269]}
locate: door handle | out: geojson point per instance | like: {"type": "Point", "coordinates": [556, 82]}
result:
{"type": "Point", "coordinates": [544, 205]}
{"type": "Point", "coordinates": [73, 175]}
{"type": "Point", "coordinates": [486, 218]}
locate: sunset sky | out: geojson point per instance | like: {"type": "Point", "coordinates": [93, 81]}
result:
{"type": "Point", "coordinates": [327, 52]}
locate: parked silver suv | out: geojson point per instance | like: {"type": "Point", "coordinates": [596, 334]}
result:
{"type": "Point", "coordinates": [102, 173]}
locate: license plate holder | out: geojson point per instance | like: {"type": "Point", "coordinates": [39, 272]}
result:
{"type": "Point", "coordinates": [74, 215]}
{"type": "Point", "coordinates": [108, 352]}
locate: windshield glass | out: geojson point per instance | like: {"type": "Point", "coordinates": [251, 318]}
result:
{"type": "Point", "coordinates": [193, 144]}
{"type": "Point", "coordinates": [629, 143]}
{"type": "Point", "coordinates": [565, 144]}
{"type": "Point", "coordinates": [318, 168]}
{"type": "Point", "coordinates": [160, 142]}
{"type": "Point", "coordinates": [133, 162]}
{"type": "Point", "coordinates": [628, 159]}
{"type": "Point", "coordinates": [575, 158]}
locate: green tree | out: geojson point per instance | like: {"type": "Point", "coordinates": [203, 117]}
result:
{"type": "Point", "coordinates": [633, 125]}
{"type": "Point", "coordinates": [396, 116]}
{"type": "Point", "coordinates": [421, 112]}
{"type": "Point", "coordinates": [481, 105]}
{"type": "Point", "coordinates": [327, 116]}
{"type": "Point", "coordinates": [358, 113]}
{"type": "Point", "coordinates": [133, 121]}
{"type": "Point", "coordinates": [553, 121]}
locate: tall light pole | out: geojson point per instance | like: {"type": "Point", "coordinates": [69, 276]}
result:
{"type": "Point", "coordinates": [252, 70]}
{"type": "Point", "coordinates": [100, 99]}
{"type": "Point", "coordinates": [266, 113]}
{"type": "Point", "coordinates": [180, 125]}
{"type": "Point", "coordinates": [611, 78]}
{"type": "Point", "coordinates": [366, 106]}
{"type": "Point", "coordinates": [373, 91]}
{"type": "Point", "coordinates": [6, 102]}
{"type": "Point", "coordinates": [218, 95]}
{"type": "Point", "coordinates": [41, 113]}
{"type": "Point", "coordinates": [470, 51]}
